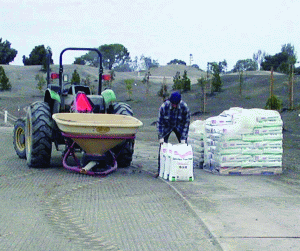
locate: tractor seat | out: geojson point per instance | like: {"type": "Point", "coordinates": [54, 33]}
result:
{"type": "Point", "coordinates": [98, 103]}
{"type": "Point", "coordinates": [82, 88]}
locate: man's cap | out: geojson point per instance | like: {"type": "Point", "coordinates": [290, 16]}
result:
{"type": "Point", "coordinates": [175, 98]}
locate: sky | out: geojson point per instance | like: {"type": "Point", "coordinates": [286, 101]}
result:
{"type": "Point", "coordinates": [161, 29]}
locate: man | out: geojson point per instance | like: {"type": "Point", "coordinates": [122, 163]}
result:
{"type": "Point", "coordinates": [173, 116]}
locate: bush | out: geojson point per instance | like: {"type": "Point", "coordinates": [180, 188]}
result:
{"type": "Point", "coordinates": [129, 83]}
{"type": "Point", "coordinates": [41, 82]}
{"type": "Point", "coordinates": [75, 78]}
{"type": "Point", "coordinates": [177, 81]}
{"type": "Point", "coordinates": [216, 80]}
{"type": "Point", "coordinates": [274, 103]}
{"type": "Point", "coordinates": [186, 82]}
{"type": "Point", "coordinates": [163, 92]}
{"type": "Point", "coordinates": [4, 81]}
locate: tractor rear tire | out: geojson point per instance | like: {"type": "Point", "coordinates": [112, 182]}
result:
{"type": "Point", "coordinates": [123, 151]}
{"type": "Point", "coordinates": [38, 135]}
{"type": "Point", "coordinates": [19, 138]}
{"type": "Point", "coordinates": [122, 108]}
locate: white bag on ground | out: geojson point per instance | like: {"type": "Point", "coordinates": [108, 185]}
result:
{"type": "Point", "coordinates": [181, 168]}
{"type": "Point", "coordinates": [168, 161]}
{"type": "Point", "coordinates": [163, 158]}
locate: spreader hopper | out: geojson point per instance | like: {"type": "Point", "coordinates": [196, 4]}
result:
{"type": "Point", "coordinates": [97, 133]}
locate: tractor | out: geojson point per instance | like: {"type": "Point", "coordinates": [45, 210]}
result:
{"type": "Point", "coordinates": [33, 135]}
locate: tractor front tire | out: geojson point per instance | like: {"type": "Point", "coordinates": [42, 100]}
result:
{"type": "Point", "coordinates": [19, 138]}
{"type": "Point", "coordinates": [123, 151]}
{"type": "Point", "coordinates": [38, 135]}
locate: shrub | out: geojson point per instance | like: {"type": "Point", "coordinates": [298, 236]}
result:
{"type": "Point", "coordinates": [4, 80]}
{"type": "Point", "coordinates": [129, 83]}
{"type": "Point", "coordinates": [274, 103]}
{"type": "Point", "coordinates": [216, 80]}
{"type": "Point", "coordinates": [186, 82]}
{"type": "Point", "coordinates": [202, 83]}
{"type": "Point", "coordinates": [163, 92]}
{"type": "Point", "coordinates": [75, 77]}
{"type": "Point", "coordinates": [177, 82]}
{"type": "Point", "coordinates": [146, 81]}
{"type": "Point", "coordinates": [41, 82]}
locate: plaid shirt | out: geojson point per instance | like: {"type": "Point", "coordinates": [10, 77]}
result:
{"type": "Point", "coordinates": [170, 118]}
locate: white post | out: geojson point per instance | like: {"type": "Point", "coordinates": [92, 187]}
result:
{"type": "Point", "coordinates": [5, 117]}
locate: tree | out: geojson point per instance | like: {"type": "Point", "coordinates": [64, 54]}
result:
{"type": "Point", "coordinates": [216, 80]}
{"type": "Point", "coordinates": [4, 80]}
{"type": "Point", "coordinates": [148, 62]}
{"type": "Point", "coordinates": [75, 77]}
{"type": "Point", "coordinates": [163, 92]}
{"type": "Point", "coordinates": [259, 58]}
{"type": "Point", "coordinates": [281, 62]}
{"type": "Point", "coordinates": [273, 102]}
{"type": "Point", "coordinates": [181, 84]}
{"type": "Point", "coordinates": [41, 82]}
{"type": "Point", "coordinates": [79, 61]}
{"type": "Point", "coordinates": [241, 81]}
{"type": "Point", "coordinates": [112, 55]}
{"type": "Point", "coordinates": [223, 66]}
{"type": "Point", "coordinates": [196, 66]}
{"type": "Point", "coordinates": [7, 54]}
{"type": "Point", "coordinates": [177, 81]}
{"type": "Point", "coordinates": [290, 50]}
{"type": "Point", "coordinates": [177, 61]}
{"type": "Point", "coordinates": [38, 56]}
{"type": "Point", "coordinates": [202, 83]}
{"type": "Point", "coordinates": [185, 82]}
{"type": "Point", "coordinates": [245, 65]}
{"type": "Point", "coordinates": [278, 62]}
{"type": "Point", "coordinates": [146, 81]}
{"type": "Point", "coordinates": [88, 82]}
{"type": "Point", "coordinates": [128, 85]}
{"type": "Point", "coordinates": [125, 67]}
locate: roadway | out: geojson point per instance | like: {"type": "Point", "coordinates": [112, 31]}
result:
{"type": "Point", "coordinates": [54, 209]}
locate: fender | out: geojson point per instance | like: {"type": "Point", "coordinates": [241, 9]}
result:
{"type": "Point", "coordinates": [52, 95]}
{"type": "Point", "coordinates": [53, 99]}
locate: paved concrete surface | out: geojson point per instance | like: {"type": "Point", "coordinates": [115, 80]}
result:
{"type": "Point", "coordinates": [54, 209]}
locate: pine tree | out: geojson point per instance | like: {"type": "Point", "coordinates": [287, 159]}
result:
{"type": "Point", "coordinates": [177, 82]}
{"type": "Point", "coordinates": [186, 82]}
{"type": "Point", "coordinates": [75, 77]}
{"type": "Point", "coordinates": [4, 80]}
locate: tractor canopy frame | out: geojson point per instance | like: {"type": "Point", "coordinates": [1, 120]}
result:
{"type": "Point", "coordinates": [80, 49]}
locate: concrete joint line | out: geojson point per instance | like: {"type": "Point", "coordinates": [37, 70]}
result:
{"type": "Point", "coordinates": [210, 235]}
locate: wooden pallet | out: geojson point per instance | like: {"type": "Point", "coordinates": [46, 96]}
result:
{"type": "Point", "coordinates": [250, 171]}
{"type": "Point", "coordinates": [245, 171]}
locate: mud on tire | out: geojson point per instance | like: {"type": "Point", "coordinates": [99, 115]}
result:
{"type": "Point", "coordinates": [38, 132]}
{"type": "Point", "coordinates": [123, 151]}
{"type": "Point", "coordinates": [19, 138]}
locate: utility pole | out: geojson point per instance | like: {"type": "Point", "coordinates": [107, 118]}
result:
{"type": "Point", "coordinates": [291, 86]}
{"type": "Point", "coordinates": [208, 64]}
{"type": "Point", "coordinates": [191, 59]}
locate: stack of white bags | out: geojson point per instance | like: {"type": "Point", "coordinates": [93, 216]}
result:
{"type": "Point", "coordinates": [176, 162]}
{"type": "Point", "coordinates": [244, 141]}
{"type": "Point", "coordinates": [195, 140]}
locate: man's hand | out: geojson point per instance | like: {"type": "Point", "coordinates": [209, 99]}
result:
{"type": "Point", "coordinates": [161, 140]}
{"type": "Point", "coordinates": [182, 141]}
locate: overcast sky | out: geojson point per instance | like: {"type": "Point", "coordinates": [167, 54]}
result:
{"type": "Point", "coordinates": [161, 29]}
